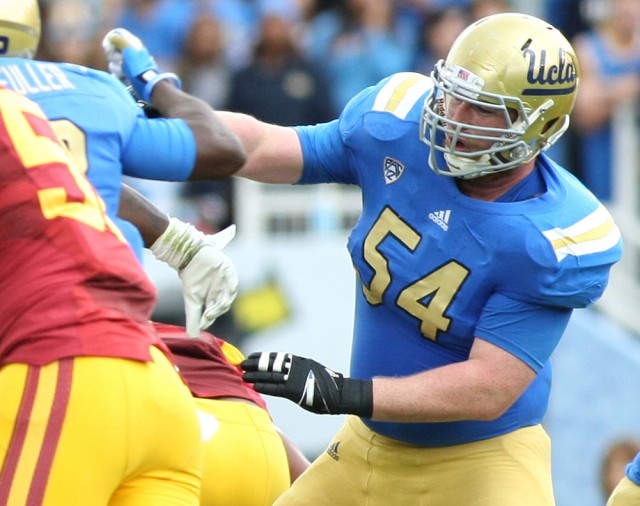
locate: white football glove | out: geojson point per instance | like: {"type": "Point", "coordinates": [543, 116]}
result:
{"type": "Point", "coordinates": [130, 61]}
{"type": "Point", "coordinates": [209, 278]}
{"type": "Point", "coordinates": [113, 43]}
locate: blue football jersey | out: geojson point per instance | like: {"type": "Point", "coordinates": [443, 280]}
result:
{"type": "Point", "coordinates": [106, 132]}
{"type": "Point", "coordinates": [437, 269]}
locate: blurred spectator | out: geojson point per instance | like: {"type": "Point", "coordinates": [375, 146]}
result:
{"type": "Point", "coordinates": [239, 20]}
{"type": "Point", "coordinates": [567, 15]}
{"type": "Point", "coordinates": [72, 32]}
{"type": "Point", "coordinates": [280, 85]}
{"type": "Point", "coordinates": [204, 70]}
{"type": "Point", "coordinates": [614, 463]}
{"type": "Point", "coordinates": [439, 29]}
{"type": "Point", "coordinates": [163, 26]}
{"type": "Point", "coordinates": [609, 56]}
{"type": "Point", "coordinates": [203, 67]}
{"type": "Point", "coordinates": [358, 42]}
{"type": "Point", "coordinates": [482, 8]}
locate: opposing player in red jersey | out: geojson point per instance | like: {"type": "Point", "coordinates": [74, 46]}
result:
{"type": "Point", "coordinates": [92, 410]}
{"type": "Point", "coordinates": [248, 461]}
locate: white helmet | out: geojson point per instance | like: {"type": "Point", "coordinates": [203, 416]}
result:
{"type": "Point", "coordinates": [508, 62]}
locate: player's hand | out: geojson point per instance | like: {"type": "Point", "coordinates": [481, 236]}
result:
{"type": "Point", "coordinates": [209, 282]}
{"type": "Point", "coordinates": [209, 278]}
{"type": "Point", "coordinates": [130, 61]}
{"type": "Point", "coordinates": [308, 383]}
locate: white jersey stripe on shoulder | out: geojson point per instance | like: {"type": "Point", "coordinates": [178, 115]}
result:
{"type": "Point", "coordinates": [587, 248]}
{"type": "Point", "coordinates": [400, 94]}
{"type": "Point", "coordinates": [593, 234]}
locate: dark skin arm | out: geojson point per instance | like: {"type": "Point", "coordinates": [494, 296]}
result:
{"type": "Point", "coordinates": [298, 463]}
{"type": "Point", "coordinates": [220, 152]}
{"type": "Point", "coordinates": [138, 210]}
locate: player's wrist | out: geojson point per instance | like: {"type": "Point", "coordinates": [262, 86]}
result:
{"type": "Point", "coordinates": [356, 397]}
{"type": "Point", "coordinates": [178, 244]}
{"type": "Point", "coordinates": [168, 77]}
{"type": "Point", "coordinates": [142, 72]}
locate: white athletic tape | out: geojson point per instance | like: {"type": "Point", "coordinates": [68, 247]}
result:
{"type": "Point", "coordinates": [279, 361]}
{"type": "Point", "coordinates": [263, 362]}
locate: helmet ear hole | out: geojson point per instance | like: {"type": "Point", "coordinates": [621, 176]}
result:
{"type": "Point", "coordinates": [548, 126]}
{"type": "Point", "coordinates": [552, 131]}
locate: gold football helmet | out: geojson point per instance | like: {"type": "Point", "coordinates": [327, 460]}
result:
{"type": "Point", "coordinates": [19, 28]}
{"type": "Point", "coordinates": [511, 63]}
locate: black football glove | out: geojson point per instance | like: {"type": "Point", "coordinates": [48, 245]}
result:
{"type": "Point", "coordinates": [309, 384]}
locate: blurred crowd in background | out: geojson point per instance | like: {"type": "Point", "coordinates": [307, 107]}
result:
{"type": "Point", "coordinates": [299, 61]}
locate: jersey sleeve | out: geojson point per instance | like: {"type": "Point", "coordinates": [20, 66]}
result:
{"type": "Point", "coordinates": [160, 149]}
{"type": "Point", "coordinates": [328, 149]}
{"type": "Point", "coordinates": [585, 250]}
{"type": "Point", "coordinates": [529, 331]}
{"type": "Point", "coordinates": [564, 265]}
{"type": "Point", "coordinates": [325, 147]}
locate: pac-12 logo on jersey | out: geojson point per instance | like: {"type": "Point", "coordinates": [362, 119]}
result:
{"type": "Point", "coordinates": [393, 169]}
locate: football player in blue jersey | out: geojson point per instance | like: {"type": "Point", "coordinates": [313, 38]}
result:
{"type": "Point", "coordinates": [472, 250]}
{"type": "Point", "coordinates": [108, 135]}
{"type": "Point", "coordinates": [627, 492]}
{"type": "Point", "coordinates": [468, 273]}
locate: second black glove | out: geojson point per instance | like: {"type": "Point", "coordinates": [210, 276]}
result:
{"type": "Point", "coordinates": [308, 383]}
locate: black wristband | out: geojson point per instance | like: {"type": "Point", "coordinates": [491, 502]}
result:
{"type": "Point", "coordinates": [357, 397]}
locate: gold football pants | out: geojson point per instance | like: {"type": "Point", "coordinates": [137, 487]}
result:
{"type": "Point", "coordinates": [98, 431]}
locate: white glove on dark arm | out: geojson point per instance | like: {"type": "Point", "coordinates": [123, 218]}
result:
{"type": "Point", "coordinates": [209, 278]}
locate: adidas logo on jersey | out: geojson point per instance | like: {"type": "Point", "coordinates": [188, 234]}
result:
{"type": "Point", "coordinates": [332, 451]}
{"type": "Point", "coordinates": [441, 218]}
{"type": "Point", "coordinates": [392, 169]}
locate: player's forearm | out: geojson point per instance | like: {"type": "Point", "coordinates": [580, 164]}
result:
{"type": "Point", "coordinates": [464, 391]}
{"type": "Point", "coordinates": [298, 462]}
{"type": "Point", "coordinates": [135, 208]}
{"type": "Point", "coordinates": [274, 154]}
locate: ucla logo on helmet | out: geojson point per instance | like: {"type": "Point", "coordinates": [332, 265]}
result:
{"type": "Point", "coordinates": [560, 77]}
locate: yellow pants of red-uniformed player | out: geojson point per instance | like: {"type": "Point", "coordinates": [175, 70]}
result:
{"type": "Point", "coordinates": [92, 431]}
{"type": "Point", "coordinates": [245, 461]}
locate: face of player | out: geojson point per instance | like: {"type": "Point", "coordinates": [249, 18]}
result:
{"type": "Point", "coordinates": [475, 114]}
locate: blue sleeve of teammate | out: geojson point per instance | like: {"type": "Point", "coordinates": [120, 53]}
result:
{"type": "Point", "coordinates": [633, 470]}
{"type": "Point", "coordinates": [529, 331]}
{"type": "Point", "coordinates": [160, 149]}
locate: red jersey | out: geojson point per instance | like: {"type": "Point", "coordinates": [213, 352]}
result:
{"type": "Point", "coordinates": [204, 367]}
{"type": "Point", "coordinates": [71, 286]}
